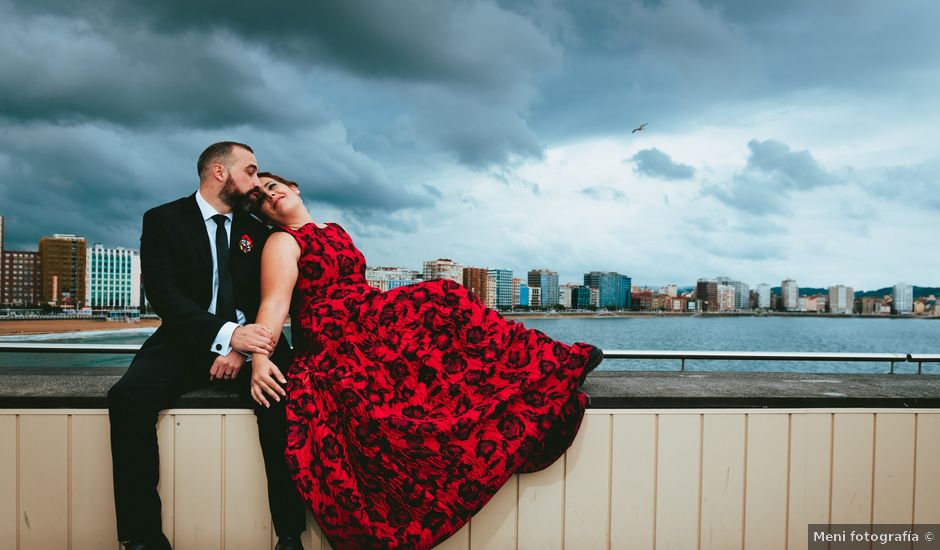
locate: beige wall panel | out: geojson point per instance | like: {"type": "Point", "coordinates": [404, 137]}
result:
{"type": "Point", "coordinates": [246, 512]}
{"type": "Point", "coordinates": [852, 452]}
{"type": "Point", "coordinates": [722, 481]}
{"type": "Point", "coordinates": [765, 506]}
{"type": "Point", "coordinates": [810, 452]}
{"type": "Point", "coordinates": [893, 492]}
{"type": "Point", "coordinates": [587, 470]}
{"type": "Point", "coordinates": [542, 508]}
{"type": "Point", "coordinates": [198, 473]}
{"type": "Point", "coordinates": [93, 522]}
{"type": "Point", "coordinates": [8, 475]}
{"type": "Point", "coordinates": [927, 469]}
{"type": "Point", "coordinates": [44, 483]}
{"type": "Point", "coordinates": [313, 539]}
{"type": "Point", "coordinates": [677, 481]}
{"type": "Point", "coordinates": [458, 541]}
{"type": "Point", "coordinates": [166, 430]}
{"type": "Point", "coordinates": [633, 482]}
{"type": "Point", "coordinates": [494, 527]}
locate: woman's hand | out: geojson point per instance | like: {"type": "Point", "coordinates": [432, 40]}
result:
{"type": "Point", "coordinates": [264, 381]}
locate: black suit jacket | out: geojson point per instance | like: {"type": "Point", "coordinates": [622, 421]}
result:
{"type": "Point", "coordinates": [176, 266]}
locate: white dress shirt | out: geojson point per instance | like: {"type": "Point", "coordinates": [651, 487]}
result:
{"type": "Point", "coordinates": [222, 344]}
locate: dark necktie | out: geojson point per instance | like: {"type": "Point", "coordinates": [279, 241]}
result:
{"type": "Point", "coordinates": [225, 299]}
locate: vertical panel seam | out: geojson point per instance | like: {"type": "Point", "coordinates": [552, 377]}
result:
{"type": "Point", "coordinates": [222, 474]}
{"type": "Point", "coordinates": [832, 459]}
{"type": "Point", "coordinates": [914, 470]}
{"type": "Point", "coordinates": [655, 478]}
{"type": "Point", "coordinates": [874, 466]}
{"type": "Point", "coordinates": [610, 474]}
{"type": "Point", "coordinates": [18, 507]}
{"type": "Point", "coordinates": [516, 532]}
{"type": "Point", "coordinates": [744, 486]}
{"type": "Point", "coordinates": [564, 496]}
{"type": "Point", "coordinates": [786, 511]}
{"type": "Point", "coordinates": [68, 483]}
{"type": "Point", "coordinates": [701, 469]}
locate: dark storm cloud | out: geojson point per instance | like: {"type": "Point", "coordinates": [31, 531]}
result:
{"type": "Point", "coordinates": [773, 172]}
{"type": "Point", "coordinates": [465, 70]}
{"type": "Point", "coordinates": [78, 70]}
{"type": "Point", "coordinates": [656, 164]}
{"type": "Point", "coordinates": [673, 62]}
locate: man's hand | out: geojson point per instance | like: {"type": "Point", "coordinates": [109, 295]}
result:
{"type": "Point", "coordinates": [253, 339]}
{"type": "Point", "coordinates": [226, 367]}
{"type": "Point", "coordinates": [264, 381]}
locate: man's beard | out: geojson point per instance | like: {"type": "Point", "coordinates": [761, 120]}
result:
{"type": "Point", "coordinates": [230, 195]}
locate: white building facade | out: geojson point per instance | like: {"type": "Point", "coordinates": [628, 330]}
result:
{"type": "Point", "coordinates": [112, 278]}
{"type": "Point", "coordinates": [841, 300]}
{"type": "Point", "coordinates": [902, 298]}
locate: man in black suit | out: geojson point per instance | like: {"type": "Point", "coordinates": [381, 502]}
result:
{"type": "Point", "coordinates": [201, 266]}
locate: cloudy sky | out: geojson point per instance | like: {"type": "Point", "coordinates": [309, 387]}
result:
{"type": "Point", "coordinates": [785, 139]}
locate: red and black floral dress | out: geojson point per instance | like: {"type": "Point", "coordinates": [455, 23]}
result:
{"type": "Point", "coordinates": [409, 409]}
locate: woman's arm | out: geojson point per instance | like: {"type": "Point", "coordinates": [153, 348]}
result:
{"type": "Point", "coordinates": [278, 277]}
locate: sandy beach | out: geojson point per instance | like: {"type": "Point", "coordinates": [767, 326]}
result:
{"type": "Point", "coordinates": [8, 327]}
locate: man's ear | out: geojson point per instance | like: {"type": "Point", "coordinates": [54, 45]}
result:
{"type": "Point", "coordinates": [218, 171]}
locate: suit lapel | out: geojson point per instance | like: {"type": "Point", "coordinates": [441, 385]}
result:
{"type": "Point", "coordinates": [196, 227]}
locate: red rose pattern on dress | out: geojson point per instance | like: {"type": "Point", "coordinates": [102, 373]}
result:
{"type": "Point", "coordinates": [409, 409]}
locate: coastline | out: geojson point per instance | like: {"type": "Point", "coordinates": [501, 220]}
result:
{"type": "Point", "coordinates": [13, 327]}
{"type": "Point", "coordinates": [613, 314]}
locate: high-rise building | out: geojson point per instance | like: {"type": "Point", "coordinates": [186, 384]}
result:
{"type": "Point", "coordinates": [706, 293]}
{"type": "Point", "coordinates": [726, 296]}
{"type": "Point", "coordinates": [443, 268]}
{"type": "Point", "coordinates": [516, 288]}
{"type": "Point", "coordinates": [523, 295]}
{"type": "Point", "coordinates": [490, 301]}
{"type": "Point", "coordinates": [474, 278]}
{"type": "Point", "coordinates": [63, 262]}
{"type": "Point", "coordinates": [547, 283]}
{"type": "Point", "coordinates": [741, 292]}
{"type": "Point", "coordinates": [841, 299]}
{"type": "Point", "coordinates": [763, 296]}
{"type": "Point", "coordinates": [387, 278]}
{"type": "Point", "coordinates": [567, 295]}
{"type": "Point", "coordinates": [790, 295]}
{"type": "Point", "coordinates": [670, 290]}
{"type": "Point", "coordinates": [581, 297]}
{"type": "Point", "coordinates": [613, 289]}
{"type": "Point", "coordinates": [22, 281]}
{"type": "Point", "coordinates": [1, 258]}
{"type": "Point", "coordinates": [112, 278]}
{"type": "Point", "coordinates": [902, 298]}
{"type": "Point", "coordinates": [505, 287]}
{"type": "Point", "coordinates": [535, 296]}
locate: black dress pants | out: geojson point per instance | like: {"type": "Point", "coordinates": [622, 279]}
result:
{"type": "Point", "coordinates": [153, 382]}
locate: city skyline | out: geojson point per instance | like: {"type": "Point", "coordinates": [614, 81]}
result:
{"type": "Point", "coordinates": [793, 140]}
{"type": "Point", "coordinates": [459, 266]}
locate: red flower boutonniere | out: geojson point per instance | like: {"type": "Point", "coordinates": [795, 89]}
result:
{"type": "Point", "coordinates": [245, 244]}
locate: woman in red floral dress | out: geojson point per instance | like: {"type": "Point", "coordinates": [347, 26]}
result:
{"type": "Point", "coordinates": [407, 409]}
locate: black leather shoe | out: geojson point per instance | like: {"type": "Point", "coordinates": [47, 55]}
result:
{"type": "Point", "coordinates": [594, 359]}
{"type": "Point", "coordinates": [288, 543]}
{"type": "Point", "coordinates": [137, 545]}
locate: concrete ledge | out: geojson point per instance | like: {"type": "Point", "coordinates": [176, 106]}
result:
{"type": "Point", "coordinates": [88, 387]}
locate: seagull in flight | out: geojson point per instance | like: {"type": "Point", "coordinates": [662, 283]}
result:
{"type": "Point", "coordinates": [639, 129]}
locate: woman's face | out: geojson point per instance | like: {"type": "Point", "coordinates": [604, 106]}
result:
{"type": "Point", "coordinates": [276, 200]}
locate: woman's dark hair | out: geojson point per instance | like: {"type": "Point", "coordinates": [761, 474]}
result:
{"type": "Point", "coordinates": [254, 206]}
{"type": "Point", "coordinates": [285, 181]}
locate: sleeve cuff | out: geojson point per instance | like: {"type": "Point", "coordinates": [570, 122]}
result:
{"type": "Point", "coordinates": [223, 340]}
